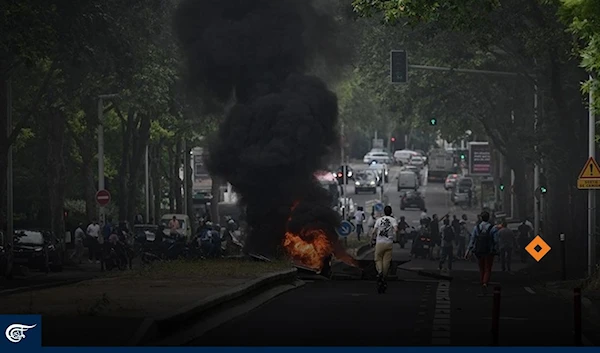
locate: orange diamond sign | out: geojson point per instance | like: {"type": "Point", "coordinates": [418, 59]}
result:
{"type": "Point", "coordinates": [538, 248]}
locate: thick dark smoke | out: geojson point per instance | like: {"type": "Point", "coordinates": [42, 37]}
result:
{"type": "Point", "coordinates": [284, 122]}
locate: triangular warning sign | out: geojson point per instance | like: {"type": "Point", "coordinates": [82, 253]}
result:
{"type": "Point", "coordinates": [591, 170]}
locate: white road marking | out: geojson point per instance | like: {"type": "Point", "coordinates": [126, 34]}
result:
{"type": "Point", "coordinates": [529, 290]}
{"type": "Point", "coordinates": [442, 323]}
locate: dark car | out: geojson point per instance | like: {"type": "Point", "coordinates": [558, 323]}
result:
{"type": "Point", "coordinates": [37, 249]}
{"type": "Point", "coordinates": [339, 175]}
{"type": "Point", "coordinates": [365, 181]}
{"type": "Point", "coordinates": [412, 199]}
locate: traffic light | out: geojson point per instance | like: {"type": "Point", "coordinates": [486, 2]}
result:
{"type": "Point", "coordinates": [393, 139]}
{"type": "Point", "coordinates": [543, 188]}
{"type": "Point", "coordinates": [65, 214]}
{"type": "Point", "coordinates": [501, 186]}
{"type": "Point", "coordinates": [433, 121]}
{"type": "Point", "coordinates": [398, 66]}
{"type": "Point", "coordinates": [462, 156]}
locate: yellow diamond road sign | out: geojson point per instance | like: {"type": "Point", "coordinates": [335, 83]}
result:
{"type": "Point", "coordinates": [589, 178]}
{"type": "Point", "coordinates": [538, 248]}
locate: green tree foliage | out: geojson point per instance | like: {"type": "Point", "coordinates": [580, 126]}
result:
{"type": "Point", "coordinates": [508, 35]}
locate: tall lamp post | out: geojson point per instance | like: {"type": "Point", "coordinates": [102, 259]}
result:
{"type": "Point", "coordinates": [101, 98]}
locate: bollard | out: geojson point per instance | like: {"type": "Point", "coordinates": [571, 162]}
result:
{"type": "Point", "coordinates": [496, 316]}
{"type": "Point", "coordinates": [563, 256]}
{"type": "Point", "coordinates": [577, 317]}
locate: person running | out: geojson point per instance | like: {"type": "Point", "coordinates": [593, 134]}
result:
{"type": "Point", "coordinates": [507, 241]}
{"type": "Point", "coordinates": [484, 245]}
{"type": "Point", "coordinates": [359, 219]}
{"type": "Point", "coordinates": [448, 237]}
{"type": "Point", "coordinates": [383, 232]}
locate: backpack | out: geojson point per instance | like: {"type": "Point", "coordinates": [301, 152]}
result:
{"type": "Point", "coordinates": [448, 234]}
{"type": "Point", "coordinates": [484, 242]}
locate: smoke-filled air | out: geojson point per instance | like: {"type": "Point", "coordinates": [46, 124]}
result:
{"type": "Point", "coordinates": [284, 123]}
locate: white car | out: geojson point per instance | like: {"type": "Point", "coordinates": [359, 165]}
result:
{"type": "Point", "coordinates": [377, 157]}
{"type": "Point", "coordinates": [417, 161]}
{"type": "Point", "coordinates": [403, 156]}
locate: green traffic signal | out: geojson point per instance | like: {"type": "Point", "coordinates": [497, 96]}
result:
{"type": "Point", "coordinates": [462, 156]}
{"type": "Point", "coordinates": [543, 189]}
{"type": "Point", "coordinates": [501, 187]}
{"type": "Point", "coordinates": [432, 121]}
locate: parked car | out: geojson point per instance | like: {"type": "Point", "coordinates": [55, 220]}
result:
{"type": "Point", "coordinates": [460, 192]}
{"type": "Point", "coordinates": [365, 182]}
{"type": "Point", "coordinates": [450, 181]}
{"type": "Point", "coordinates": [412, 199]}
{"type": "Point", "coordinates": [377, 157]}
{"type": "Point", "coordinates": [37, 249]}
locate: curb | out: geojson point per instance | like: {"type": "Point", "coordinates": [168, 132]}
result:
{"type": "Point", "coordinates": [150, 328]}
{"type": "Point", "coordinates": [363, 249]}
{"type": "Point", "coordinates": [25, 289]}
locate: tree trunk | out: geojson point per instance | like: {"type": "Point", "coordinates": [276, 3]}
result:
{"type": "Point", "coordinates": [87, 178]}
{"type": "Point", "coordinates": [140, 137]}
{"type": "Point", "coordinates": [127, 129]}
{"type": "Point", "coordinates": [189, 175]}
{"type": "Point", "coordinates": [3, 147]}
{"type": "Point", "coordinates": [175, 179]}
{"type": "Point", "coordinates": [55, 129]}
{"type": "Point", "coordinates": [156, 180]}
{"type": "Point", "coordinates": [170, 177]}
{"type": "Point", "coordinates": [216, 198]}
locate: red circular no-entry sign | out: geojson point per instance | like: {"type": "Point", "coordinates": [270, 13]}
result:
{"type": "Point", "coordinates": [103, 197]}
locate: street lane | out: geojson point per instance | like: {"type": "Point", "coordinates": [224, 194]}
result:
{"type": "Point", "coordinates": [335, 313]}
{"type": "Point", "coordinates": [437, 199]}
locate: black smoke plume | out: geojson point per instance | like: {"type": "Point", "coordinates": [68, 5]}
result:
{"type": "Point", "coordinates": [283, 124]}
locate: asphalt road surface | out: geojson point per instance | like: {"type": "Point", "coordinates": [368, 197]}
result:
{"type": "Point", "coordinates": [437, 199]}
{"type": "Point", "coordinates": [416, 311]}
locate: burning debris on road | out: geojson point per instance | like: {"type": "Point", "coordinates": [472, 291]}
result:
{"type": "Point", "coordinates": [283, 124]}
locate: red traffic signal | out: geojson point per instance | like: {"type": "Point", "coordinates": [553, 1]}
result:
{"type": "Point", "coordinates": [393, 139]}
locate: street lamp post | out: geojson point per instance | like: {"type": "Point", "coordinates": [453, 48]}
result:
{"type": "Point", "coordinates": [591, 192]}
{"type": "Point", "coordinates": [101, 98]}
{"type": "Point", "coordinates": [8, 239]}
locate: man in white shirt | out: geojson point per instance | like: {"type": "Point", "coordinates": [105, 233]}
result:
{"type": "Point", "coordinates": [93, 232]}
{"type": "Point", "coordinates": [384, 232]}
{"type": "Point", "coordinates": [359, 218]}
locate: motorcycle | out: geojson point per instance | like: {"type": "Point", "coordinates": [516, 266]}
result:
{"type": "Point", "coordinates": [422, 244]}
{"type": "Point", "coordinates": [169, 248]}
{"type": "Point", "coordinates": [116, 258]}
{"type": "Point", "coordinates": [401, 237]}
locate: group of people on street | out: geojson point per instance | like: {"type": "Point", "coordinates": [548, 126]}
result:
{"type": "Point", "coordinates": [94, 238]}
{"type": "Point", "coordinates": [486, 240]}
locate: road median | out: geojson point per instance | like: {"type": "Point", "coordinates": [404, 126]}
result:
{"type": "Point", "coordinates": [131, 307]}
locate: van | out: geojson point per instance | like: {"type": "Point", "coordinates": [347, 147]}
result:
{"type": "Point", "coordinates": [184, 222]}
{"type": "Point", "coordinates": [408, 180]}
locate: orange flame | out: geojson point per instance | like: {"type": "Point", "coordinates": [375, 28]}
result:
{"type": "Point", "coordinates": [311, 246]}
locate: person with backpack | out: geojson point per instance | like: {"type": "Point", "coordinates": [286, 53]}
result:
{"type": "Point", "coordinates": [447, 242]}
{"type": "Point", "coordinates": [484, 244]}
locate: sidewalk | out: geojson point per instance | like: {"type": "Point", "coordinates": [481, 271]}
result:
{"type": "Point", "coordinates": [528, 316]}
{"type": "Point", "coordinates": [111, 310]}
